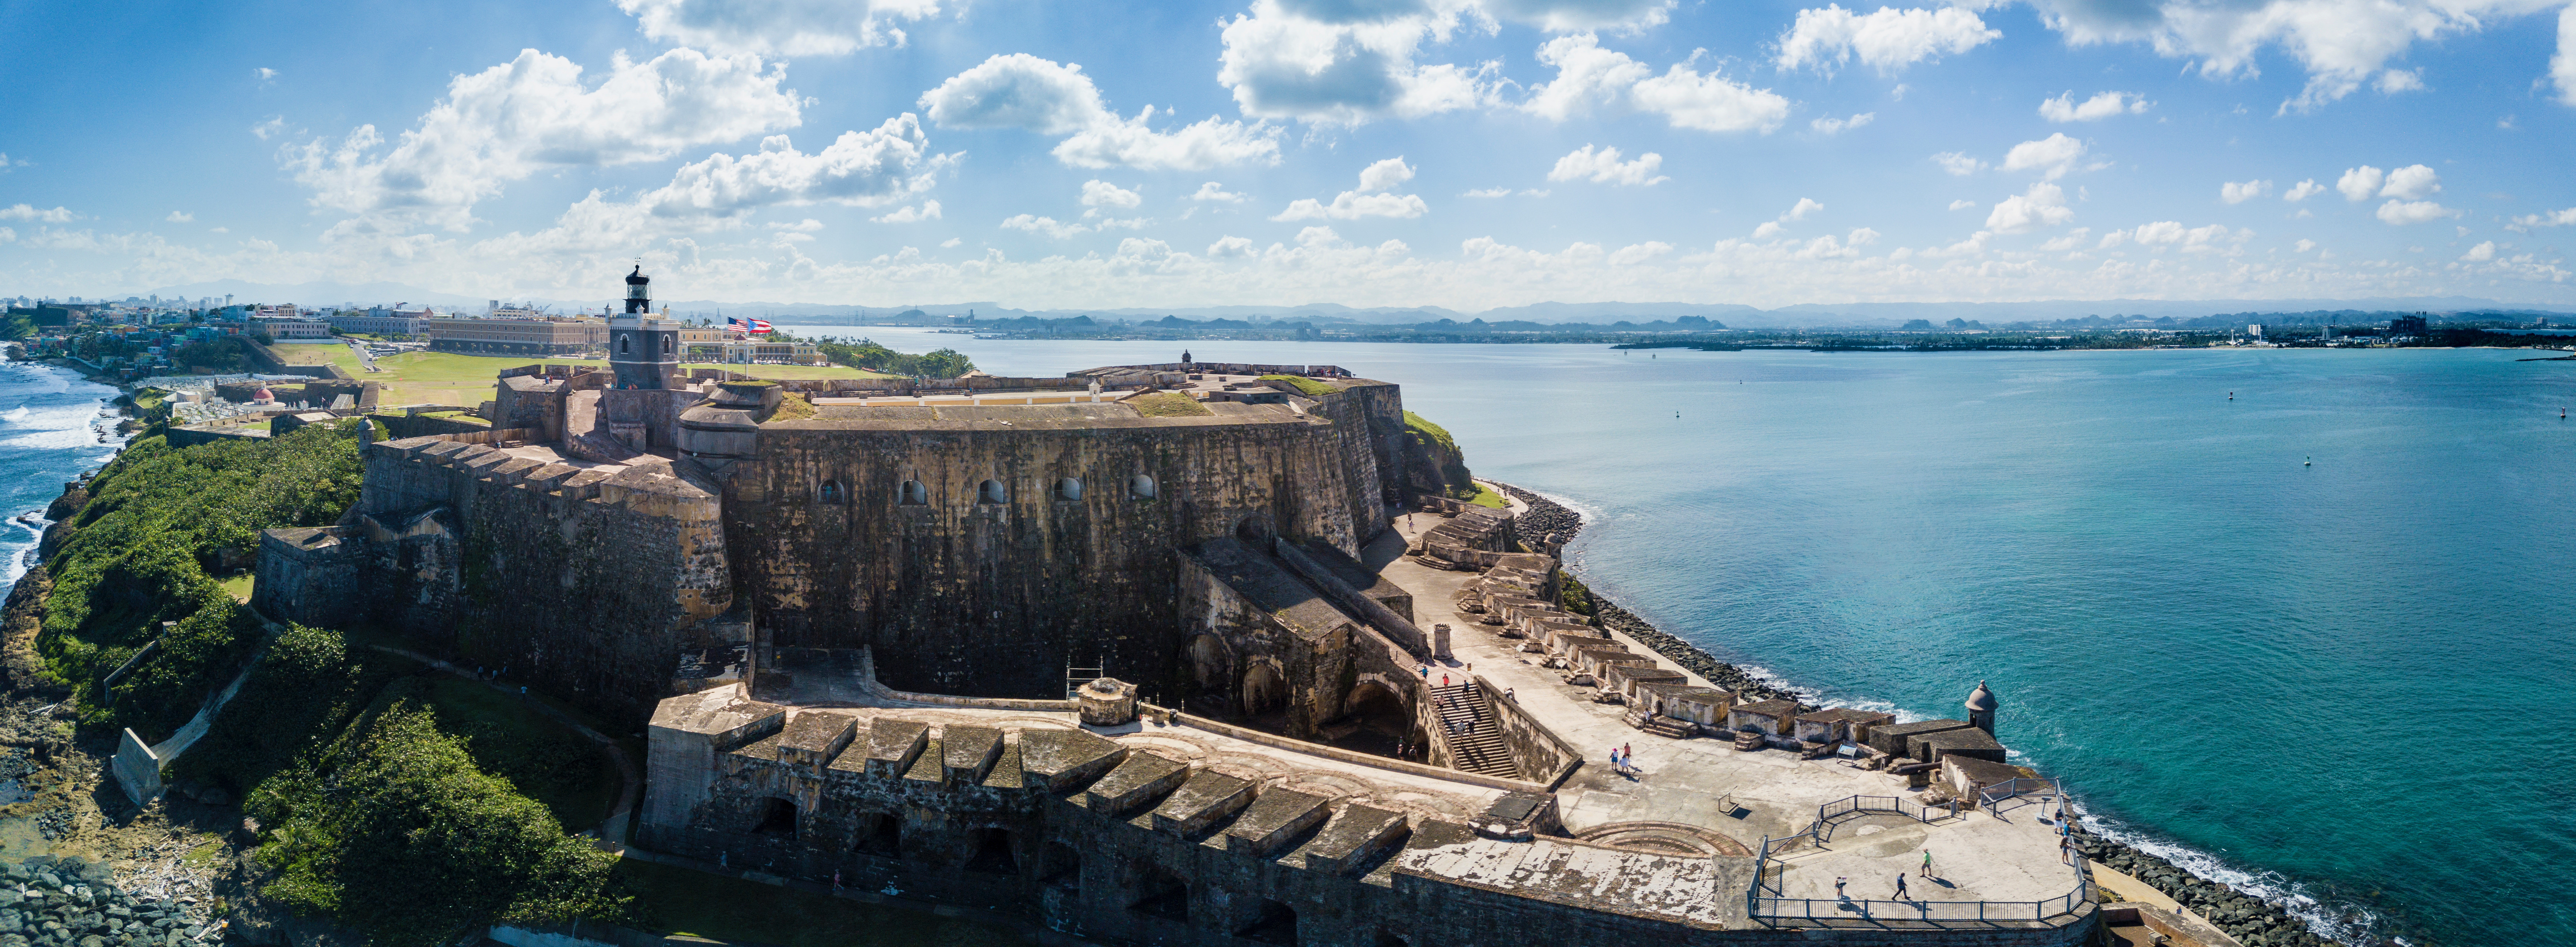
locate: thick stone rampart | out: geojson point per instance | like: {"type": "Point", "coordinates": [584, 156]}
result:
{"type": "Point", "coordinates": [997, 571]}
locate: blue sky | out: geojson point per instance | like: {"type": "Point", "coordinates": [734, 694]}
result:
{"type": "Point", "coordinates": [1371, 152]}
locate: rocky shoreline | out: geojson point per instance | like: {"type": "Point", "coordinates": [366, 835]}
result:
{"type": "Point", "coordinates": [2253, 921]}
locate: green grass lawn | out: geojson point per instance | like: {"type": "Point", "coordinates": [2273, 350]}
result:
{"type": "Point", "coordinates": [239, 586]}
{"type": "Point", "coordinates": [683, 901]}
{"type": "Point", "coordinates": [1485, 496]}
{"type": "Point", "coordinates": [450, 378]}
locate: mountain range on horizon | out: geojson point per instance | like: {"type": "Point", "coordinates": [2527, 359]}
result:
{"type": "Point", "coordinates": [1802, 315]}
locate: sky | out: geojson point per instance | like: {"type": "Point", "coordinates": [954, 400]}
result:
{"type": "Point", "coordinates": [1456, 153]}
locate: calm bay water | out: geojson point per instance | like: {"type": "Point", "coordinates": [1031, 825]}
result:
{"type": "Point", "coordinates": [2347, 682]}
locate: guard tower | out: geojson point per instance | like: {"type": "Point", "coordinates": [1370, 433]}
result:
{"type": "Point", "coordinates": [1981, 709]}
{"type": "Point", "coordinates": [642, 350]}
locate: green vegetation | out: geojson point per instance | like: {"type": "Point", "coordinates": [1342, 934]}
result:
{"type": "Point", "coordinates": [18, 326]}
{"type": "Point", "coordinates": [141, 552]}
{"type": "Point", "coordinates": [793, 407]}
{"type": "Point", "coordinates": [1309, 386]}
{"type": "Point", "coordinates": [219, 356]}
{"type": "Point", "coordinates": [1434, 449]}
{"type": "Point", "coordinates": [1485, 496]}
{"type": "Point", "coordinates": [371, 776]}
{"type": "Point", "coordinates": [1168, 404]}
{"type": "Point", "coordinates": [396, 805]}
{"type": "Point", "coordinates": [1573, 595]}
{"type": "Point", "coordinates": [239, 587]}
{"type": "Point", "coordinates": [944, 363]}
{"type": "Point", "coordinates": [683, 901]}
{"type": "Point", "coordinates": [450, 378]}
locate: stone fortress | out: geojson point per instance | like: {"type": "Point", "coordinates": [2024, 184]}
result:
{"type": "Point", "coordinates": [1146, 654]}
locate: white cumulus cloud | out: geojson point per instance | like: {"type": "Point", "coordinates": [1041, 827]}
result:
{"type": "Point", "coordinates": [1047, 226]}
{"type": "Point", "coordinates": [2400, 213]}
{"type": "Point", "coordinates": [2044, 205]}
{"type": "Point", "coordinates": [909, 214]}
{"type": "Point", "coordinates": [2556, 218]}
{"type": "Point", "coordinates": [1962, 204]}
{"type": "Point", "coordinates": [1887, 40]}
{"type": "Point", "coordinates": [1229, 248]}
{"type": "Point", "coordinates": [2238, 192]}
{"type": "Point", "coordinates": [1097, 193]}
{"type": "Point", "coordinates": [1604, 167]}
{"type": "Point", "coordinates": [1212, 191]}
{"type": "Point", "coordinates": [2413, 182]}
{"type": "Point", "coordinates": [872, 168]}
{"type": "Point", "coordinates": [1370, 199]}
{"type": "Point", "coordinates": [777, 27]}
{"type": "Point", "coordinates": [2102, 105]}
{"type": "Point", "coordinates": [2562, 67]}
{"type": "Point", "coordinates": [180, 217]}
{"type": "Point", "coordinates": [2342, 44]}
{"type": "Point", "coordinates": [2303, 190]}
{"type": "Point", "coordinates": [1835, 126]}
{"type": "Point", "coordinates": [1588, 76]}
{"type": "Point", "coordinates": [1018, 90]}
{"type": "Point", "coordinates": [1345, 63]}
{"type": "Point", "coordinates": [536, 112]}
{"type": "Point", "coordinates": [2358, 184]}
{"type": "Point", "coordinates": [1958, 163]}
{"type": "Point", "coordinates": [2481, 253]}
{"type": "Point", "coordinates": [58, 215]}
{"type": "Point", "coordinates": [2052, 156]}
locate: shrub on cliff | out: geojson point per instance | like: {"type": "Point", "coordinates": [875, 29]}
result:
{"type": "Point", "coordinates": [395, 832]}
{"type": "Point", "coordinates": [867, 354]}
{"type": "Point", "coordinates": [141, 551]}
{"type": "Point", "coordinates": [1432, 462]}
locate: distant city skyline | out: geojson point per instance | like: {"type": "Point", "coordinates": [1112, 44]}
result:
{"type": "Point", "coordinates": [1464, 154]}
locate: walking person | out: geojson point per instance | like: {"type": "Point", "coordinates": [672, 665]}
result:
{"type": "Point", "coordinates": [1900, 886]}
{"type": "Point", "coordinates": [1838, 889]}
{"type": "Point", "coordinates": [2065, 850]}
{"type": "Point", "coordinates": [1927, 863]}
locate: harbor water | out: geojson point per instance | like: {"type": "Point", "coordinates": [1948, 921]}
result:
{"type": "Point", "coordinates": [2344, 684]}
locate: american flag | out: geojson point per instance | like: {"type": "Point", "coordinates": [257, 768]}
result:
{"type": "Point", "coordinates": [753, 326]}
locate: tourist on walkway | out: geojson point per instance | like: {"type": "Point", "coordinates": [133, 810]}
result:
{"type": "Point", "coordinates": [1927, 863]}
{"type": "Point", "coordinates": [1900, 886]}
{"type": "Point", "coordinates": [1838, 889]}
{"type": "Point", "coordinates": [2065, 850]}
{"type": "Point", "coordinates": [1444, 680]}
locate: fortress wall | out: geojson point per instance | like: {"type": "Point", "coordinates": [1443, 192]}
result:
{"type": "Point", "coordinates": [579, 580]}
{"type": "Point", "coordinates": [1368, 420]}
{"type": "Point", "coordinates": [963, 597]}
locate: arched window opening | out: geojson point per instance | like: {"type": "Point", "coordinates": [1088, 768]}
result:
{"type": "Point", "coordinates": [832, 492]}
{"type": "Point", "coordinates": [1069, 488]}
{"type": "Point", "coordinates": [1162, 894]}
{"type": "Point", "coordinates": [666, 345]}
{"type": "Point", "coordinates": [1253, 531]}
{"type": "Point", "coordinates": [912, 493]}
{"type": "Point", "coordinates": [1276, 923]}
{"type": "Point", "coordinates": [625, 344]}
{"type": "Point", "coordinates": [992, 491]}
{"type": "Point", "coordinates": [878, 834]}
{"type": "Point", "coordinates": [777, 818]}
{"type": "Point", "coordinates": [1140, 487]}
{"type": "Point", "coordinates": [993, 854]}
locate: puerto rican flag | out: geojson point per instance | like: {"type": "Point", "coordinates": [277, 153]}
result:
{"type": "Point", "coordinates": [753, 326]}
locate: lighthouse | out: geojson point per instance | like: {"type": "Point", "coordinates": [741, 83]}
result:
{"type": "Point", "coordinates": [642, 350]}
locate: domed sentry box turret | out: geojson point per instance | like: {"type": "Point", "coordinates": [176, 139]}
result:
{"type": "Point", "coordinates": [726, 426]}
{"type": "Point", "coordinates": [1106, 702]}
{"type": "Point", "coordinates": [1981, 709]}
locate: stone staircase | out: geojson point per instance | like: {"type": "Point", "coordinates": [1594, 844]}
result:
{"type": "Point", "coordinates": [1476, 742]}
{"type": "Point", "coordinates": [1659, 726]}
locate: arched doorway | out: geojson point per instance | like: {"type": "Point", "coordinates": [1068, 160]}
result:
{"type": "Point", "coordinates": [1210, 665]}
{"type": "Point", "coordinates": [1265, 693]}
{"type": "Point", "coordinates": [1374, 720]}
{"type": "Point", "coordinates": [1254, 531]}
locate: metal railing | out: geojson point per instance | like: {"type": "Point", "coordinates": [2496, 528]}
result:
{"type": "Point", "coordinates": [1990, 796]}
{"type": "Point", "coordinates": [1765, 904]}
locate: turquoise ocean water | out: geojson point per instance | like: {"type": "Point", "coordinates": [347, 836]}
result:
{"type": "Point", "coordinates": [2351, 685]}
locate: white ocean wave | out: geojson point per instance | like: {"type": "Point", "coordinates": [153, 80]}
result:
{"type": "Point", "coordinates": [2345, 922]}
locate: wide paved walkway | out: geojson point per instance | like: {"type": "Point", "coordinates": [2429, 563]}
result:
{"type": "Point", "coordinates": [1705, 784]}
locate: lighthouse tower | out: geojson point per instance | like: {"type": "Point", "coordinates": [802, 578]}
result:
{"type": "Point", "coordinates": [642, 350]}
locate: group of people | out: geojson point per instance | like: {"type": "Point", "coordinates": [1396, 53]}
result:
{"type": "Point", "coordinates": [1622, 763]}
